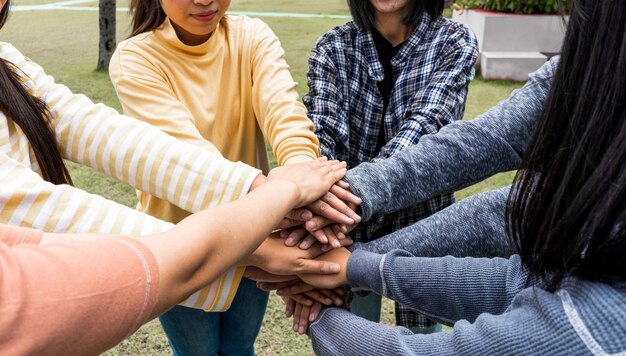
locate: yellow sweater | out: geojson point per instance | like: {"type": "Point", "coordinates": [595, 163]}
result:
{"type": "Point", "coordinates": [225, 94]}
{"type": "Point", "coordinates": [123, 148]}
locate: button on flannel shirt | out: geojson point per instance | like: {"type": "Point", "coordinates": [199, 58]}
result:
{"type": "Point", "coordinates": [432, 69]}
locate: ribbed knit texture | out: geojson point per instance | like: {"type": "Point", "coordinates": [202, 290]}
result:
{"type": "Point", "coordinates": [496, 309]}
{"type": "Point", "coordinates": [460, 154]}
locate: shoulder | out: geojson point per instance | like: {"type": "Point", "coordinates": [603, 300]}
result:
{"type": "Point", "coordinates": [137, 43]}
{"type": "Point", "coordinates": [343, 36]}
{"type": "Point", "coordinates": [247, 27]}
{"type": "Point", "coordinates": [10, 53]}
{"type": "Point", "coordinates": [454, 33]}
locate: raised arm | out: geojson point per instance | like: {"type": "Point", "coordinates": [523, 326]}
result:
{"type": "Point", "coordinates": [460, 154]}
{"type": "Point", "coordinates": [280, 115]}
{"type": "Point", "coordinates": [472, 227]}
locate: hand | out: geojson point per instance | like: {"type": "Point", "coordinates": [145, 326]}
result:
{"type": "Point", "coordinates": [303, 315]}
{"type": "Point", "coordinates": [259, 275]}
{"type": "Point", "coordinates": [311, 179]}
{"type": "Point", "coordinates": [303, 293]}
{"type": "Point", "coordinates": [339, 256]}
{"type": "Point", "coordinates": [274, 257]}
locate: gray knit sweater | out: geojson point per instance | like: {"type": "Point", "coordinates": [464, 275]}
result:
{"type": "Point", "coordinates": [496, 308]}
{"type": "Point", "coordinates": [460, 154]}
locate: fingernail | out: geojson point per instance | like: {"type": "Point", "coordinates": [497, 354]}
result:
{"type": "Point", "coordinates": [334, 268]}
{"type": "Point", "coordinates": [356, 217]}
{"type": "Point", "coordinates": [341, 236]}
{"type": "Point", "coordinates": [311, 225]}
{"type": "Point", "coordinates": [336, 244]}
{"type": "Point", "coordinates": [280, 292]}
{"type": "Point", "coordinates": [328, 301]}
{"type": "Point", "coordinates": [326, 248]}
{"type": "Point", "coordinates": [324, 239]}
{"type": "Point", "coordinates": [305, 215]}
{"type": "Point", "coordinates": [284, 234]}
{"type": "Point", "coordinates": [261, 285]}
{"type": "Point", "coordinates": [312, 316]}
{"type": "Point", "coordinates": [295, 328]}
{"type": "Point", "coordinates": [338, 302]}
{"type": "Point", "coordinates": [309, 302]}
{"type": "Point", "coordinates": [305, 245]}
{"type": "Point", "coordinates": [301, 330]}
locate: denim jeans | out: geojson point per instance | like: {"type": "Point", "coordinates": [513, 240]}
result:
{"type": "Point", "coordinates": [196, 332]}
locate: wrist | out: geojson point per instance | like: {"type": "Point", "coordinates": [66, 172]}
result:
{"type": "Point", "coordinates": [258, 181]}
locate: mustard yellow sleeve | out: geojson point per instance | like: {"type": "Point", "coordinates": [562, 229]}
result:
{"type": "Point", "coordinates": [281, 116]}
{"type": "Point", "coordinates": [146, 95]}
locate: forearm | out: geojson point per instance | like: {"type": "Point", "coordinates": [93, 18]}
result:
{"type": "Point", "coordinates": [446, 289]}
{"type": "Point", "coordinates": [460, 154]}
{"type": "Point", "coordinates": [204, 245]}
{"type": "Point", "coordinates": [472, 227]}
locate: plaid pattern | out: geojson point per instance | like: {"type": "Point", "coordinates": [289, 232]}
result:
{"type": "Point", "coordinates": [432, 71]}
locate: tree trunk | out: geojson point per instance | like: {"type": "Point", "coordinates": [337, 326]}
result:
{"type": "Point", "coordinates": [107, 33]}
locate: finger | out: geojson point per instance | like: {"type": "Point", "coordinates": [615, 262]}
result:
{"type": "Point", "coordinates": [290, 306]}
{"type": "Point", "coordinates": [303, 324]}
{"type": "Point", "coordinates": [319, 297]}
{"type": "Point", "coordinates": [332, 238]}
{"type": "Point", "coordinates": [269, 286]}
{"type": "Point", "coordinates": [315, 311]}
{"type": "Point", "coordinates": [317, 222]}
{"type": "Point", "coordinates": [307, 242]}
{"type": "Point", "coordinates": [299, 214]}
{"type": "Point", "coordinates": [343, 184]}
{"type": "Point", "coordinates": [296, 317]}
{"type": "Point", "coordinates": [332, 295]}
{"type": "Point", "coordinates": [286, 223]}
{"type": "Point", "coordinates": [301, 299]}
{"type": "Point", "coordinates": [339, 205]}
{"type": "Point", "coordinates": [337, 228]}
{"type": "Point", "coordinates": [345, 194]}
{"type": "Point", "coordinates": [320, 235]}
{"type": "Point", "coordinates": [295, 236]}
{"type": "Point", "coordinates": [322, 208]}
{"type": "Point", "coordinates": [295, 288]}
{"type": "Point", "coordinates": [317, 267]}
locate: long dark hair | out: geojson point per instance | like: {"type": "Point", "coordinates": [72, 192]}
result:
{"type": "Point", "coordinates": [364, 15]}
{"type": "Point", "coordinates": [32, 116]}
{"type": "Point", "coordinates": [148, 15]}
{"type": "Point", "coordinates": [567, 209]}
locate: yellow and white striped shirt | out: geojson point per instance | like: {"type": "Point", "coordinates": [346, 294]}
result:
{"type": "Point", "coordinates": [123, 148]}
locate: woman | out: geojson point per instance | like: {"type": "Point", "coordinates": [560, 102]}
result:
{"type": "Point", "coordinates": [377, 84]}
{"type": "Point", "coordinates": [35, 111]}
{"type": "Point", "coordinates": [225, 85]}
{"type": "Point", "coordinates": [564, 292]}
{"type": "Point", "coordinates": [72, 294]}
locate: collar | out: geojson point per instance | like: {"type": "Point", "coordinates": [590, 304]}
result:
{"type": "Point", "coordinates": [375, 68]}
{"type": "Point", "coordinates": [167, 34]}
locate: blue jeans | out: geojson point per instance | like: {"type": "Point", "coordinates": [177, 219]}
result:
{"type": "Point", "coordinates": [196, 332]}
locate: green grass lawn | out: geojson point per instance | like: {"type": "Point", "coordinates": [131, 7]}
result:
{"type": "Point", "coordinates": [65, 44]}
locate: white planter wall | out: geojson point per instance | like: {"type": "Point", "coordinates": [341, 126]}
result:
{"type": "Point", "coordinates": [511, 45]}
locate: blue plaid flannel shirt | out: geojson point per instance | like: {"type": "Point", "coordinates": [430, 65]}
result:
{"type": "Point", "coordinates": [432, 71]}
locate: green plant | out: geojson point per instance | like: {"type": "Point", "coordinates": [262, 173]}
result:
{"type": "Point", "coordinates": [516, 6]}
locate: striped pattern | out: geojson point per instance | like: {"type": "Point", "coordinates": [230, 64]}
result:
{"type": "Point", "coordinates": [123, 148]}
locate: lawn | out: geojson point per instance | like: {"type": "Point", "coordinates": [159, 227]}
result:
{"type": "Point", "coordinates": [65, 44]}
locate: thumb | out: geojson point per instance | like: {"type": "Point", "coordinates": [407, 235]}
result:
{"type": "Point", "coordinates": [318, 267]}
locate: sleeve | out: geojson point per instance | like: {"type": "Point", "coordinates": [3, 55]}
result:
{"type": "Point", "coordinates": [324, 104]}
{"type": "Point", "coordinates": [442, 101]}
{"type": "Point", "coordinates": [134, 152]}
{"type": "Point", "coordinates": [281, 116]}
{"type": "Point", "coordinates": [15, 235]}
{"type": "Point", "coordinates": [144, 94]}
{"type": "Point", "coordinates": [28, 200]}
{"type": "Point", "coordinates": [460, 154]}
{"type": "Point", "coordinates": [80, 298]}
{"type": "Point", "coordinates": [473, 227]}
{"type": "Point", "coordinates": [445, 289]}
{"type": "Point", "coordinates": [130, 151]}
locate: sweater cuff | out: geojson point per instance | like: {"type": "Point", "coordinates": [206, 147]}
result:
{"type": "Point", "coordinates": [359, 188]}
{"type": "Point", "coordinates": [364, 271]}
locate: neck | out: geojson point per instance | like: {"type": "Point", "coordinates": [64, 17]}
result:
{"type": "Point", "coordinates": [392, 28]}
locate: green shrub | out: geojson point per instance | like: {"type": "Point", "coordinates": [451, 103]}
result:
{"type": "Point", "coordinates": [515, 6]}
